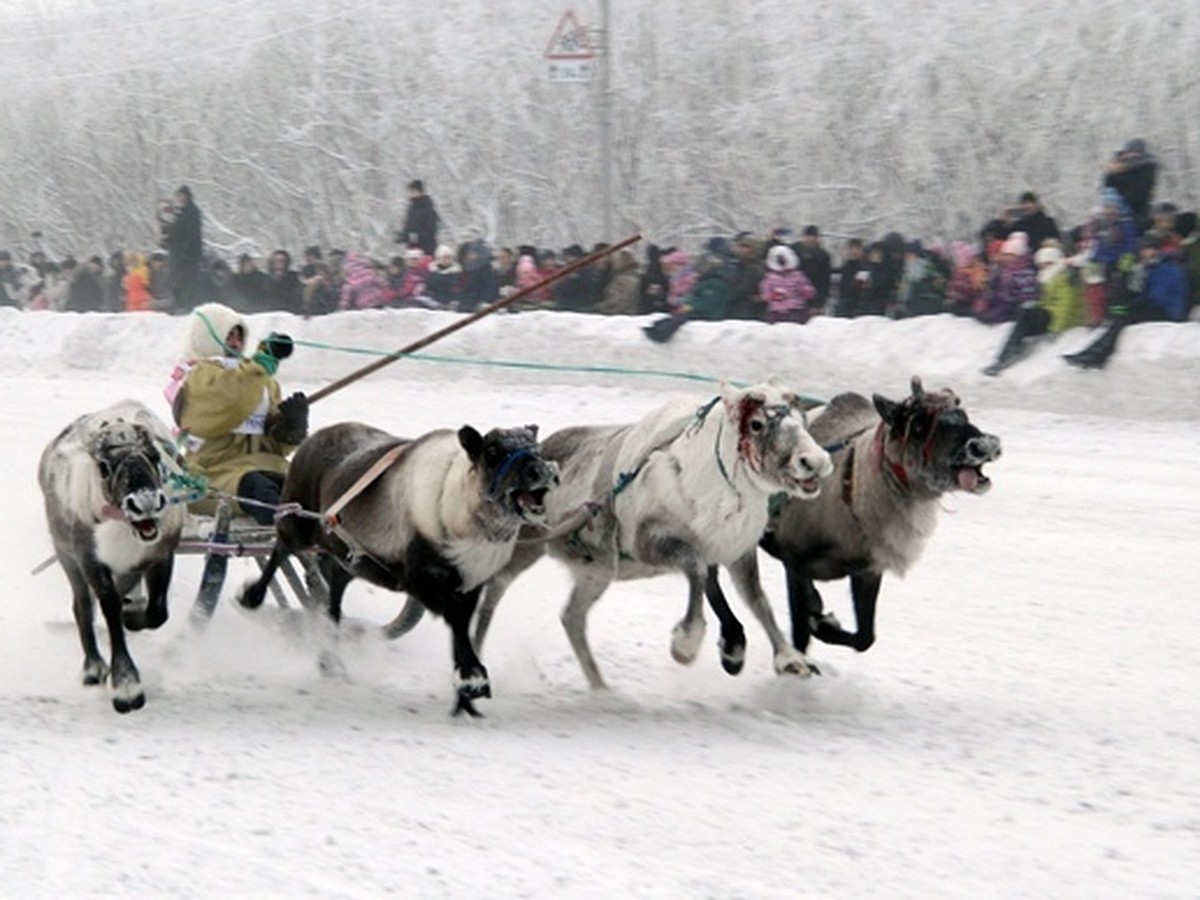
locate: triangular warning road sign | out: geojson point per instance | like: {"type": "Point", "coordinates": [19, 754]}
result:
{"type": "Point", "coordinates": [570, 40]}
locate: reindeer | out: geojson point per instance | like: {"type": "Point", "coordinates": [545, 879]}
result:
{"type": "Point", "coordinates": [896, 460]}
{"type": "Point", "coordinates": [112, 525]}
{"type": "Point", "coordinates": [435, 517]}
{"type": "Point", "coordinates": [680, 490]}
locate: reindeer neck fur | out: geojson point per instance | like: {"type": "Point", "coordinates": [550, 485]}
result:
{"type": "Point", "coordinates": [896, 523]}
{"type": "Point", "coordinates": [448, 506]}
{"type": "Point", "coordinates": [698, 478]}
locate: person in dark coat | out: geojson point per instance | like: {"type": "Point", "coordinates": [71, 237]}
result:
{"type": "Point", "coordinates": [655, 284]}
{"type": "Point", "coordinates": [748, 272]}
{"type": "Point", "coordinates": [420, 227]}
{"type": "Point", "coordinates": [285, 291]}
{"type": "Point", "coordinates": [184, 243]}
{"type": "Point", "coordinates": [1132, 173]}
{"type": "Point", "coordinates": [573, 292]}
{"type": "Point", "coordinates": [249, 286]}
{"type": "Point", "coordinates": [886, 259]}
{"type": "Point", "coordinates": [1031, 218]}
{"type": "Point", "coordinates": [480, 282]}
{"type": "Point", "coordinates": [854, 282]}
{"type": "Point", "coordinates": [816, 265]}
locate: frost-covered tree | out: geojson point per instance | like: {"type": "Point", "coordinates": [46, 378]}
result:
{"type": "Point", "coordinates": [297, 123]}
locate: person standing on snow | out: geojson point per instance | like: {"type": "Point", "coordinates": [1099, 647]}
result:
{"type": "Point", "coordinates": [184, 243]}
{"type": "Point", "coordinates": [420, 227]}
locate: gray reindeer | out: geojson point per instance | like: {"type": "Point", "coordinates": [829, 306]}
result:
{"type": "Point", "coordinates": [112, 526]}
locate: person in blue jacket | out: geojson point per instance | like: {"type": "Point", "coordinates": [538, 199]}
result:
{"type": "Point", "coordinates": [1156, 290]}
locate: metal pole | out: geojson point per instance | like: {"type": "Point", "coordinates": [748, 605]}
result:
{"type": "Point", "coordinates": [606, 181]}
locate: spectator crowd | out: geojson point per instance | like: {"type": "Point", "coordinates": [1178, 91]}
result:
{"type": "Point", "coordinates": [1129, 260]}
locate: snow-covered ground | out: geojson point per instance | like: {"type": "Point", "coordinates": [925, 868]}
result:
{"type": "Point", "coordinates": [1027, 725]}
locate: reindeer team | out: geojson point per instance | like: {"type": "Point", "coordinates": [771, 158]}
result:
{"type": "Point", "coordinates": [452, 518]}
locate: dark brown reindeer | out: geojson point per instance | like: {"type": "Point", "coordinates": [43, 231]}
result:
{"type": "Point", "coordinates": [112, 526]}
{"type": "Point", "coordinates": [894, 461]}
{"type": "Point", "coordinates": [438, 517]}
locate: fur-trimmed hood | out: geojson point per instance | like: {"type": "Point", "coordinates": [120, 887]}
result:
{"type": "Point", "coordinates": [210, 323]}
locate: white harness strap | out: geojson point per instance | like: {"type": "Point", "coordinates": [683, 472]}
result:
{"type": "Point", "coordinates": [364, 481]}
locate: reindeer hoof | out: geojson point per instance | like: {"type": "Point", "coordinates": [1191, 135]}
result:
{"type": "Point", "coordinates": [95, 673]}
{"type": "Point", "coordinates": [466, 706]}
{"type": "Point", "coordinates": [473, 685]}
{"type": "Point", "coordinates": [793, 663]}
{"type": "Point", "coordinates": [251, 597]}
{"type": "Point", "coordinates": [143, 619]}
{"type": "Point", "coordinates": [685, 644]}
{"type": "Point", "coordinates": [733, 656]}
{"type": "Point", "coordinates": [128, 697]}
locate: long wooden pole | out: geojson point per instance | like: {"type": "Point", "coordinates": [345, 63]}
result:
{"type": "Point", "coordinates": [469, 320]}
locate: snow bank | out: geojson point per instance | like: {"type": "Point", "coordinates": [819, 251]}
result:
{"type": "Point", "coordinates": [1155, 373]}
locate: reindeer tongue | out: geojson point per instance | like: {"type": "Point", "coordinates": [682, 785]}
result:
{"type": "Point", "coordinates": [968, 479]}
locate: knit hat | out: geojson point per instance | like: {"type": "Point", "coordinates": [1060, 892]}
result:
{"type": "Point", "coordinates": [961, 253]}
{"type": "Point", "coordinates": [1112, 197]}
{"type": "Point", "coordinates": [1017, 244]}
{"type": "Point", "coordinates": [1049, 254]}
{"type": "Point", "coordinates": [210, 324]}
{"type": "Point", "coordinates": [782, 258]}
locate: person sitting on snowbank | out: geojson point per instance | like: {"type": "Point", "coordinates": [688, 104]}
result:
{"type": "Point", "coordinates": [1155, 290]}
{"type": "Point", "coordinates": [1059, 307]}
{"type": "Point", "coordinates": [1012, 282]}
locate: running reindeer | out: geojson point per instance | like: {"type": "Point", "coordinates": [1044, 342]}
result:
{"type": "Point", "coordinates": [112, 526]}
{"type": "Point", "coordinates": [680, 490]}
{"type": "Point", "coordinates": [896, 460]}
{"type": "Point", "coordinates": [435, 517]}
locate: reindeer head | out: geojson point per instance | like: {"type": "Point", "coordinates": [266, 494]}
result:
{"type": "Point", "coordinates": [129, 465]}
{"type": "Point", "coordinates": [510, 464]}
{"type": "Point", "coordinates": [773, 439]}
{"type": "Point", "coordinates": [929, 446]}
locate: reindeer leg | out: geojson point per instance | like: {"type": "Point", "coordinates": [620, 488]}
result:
{"type": "Point", "coordinates": [471, 678]}
{"type": "Point", "coordinates": [864, 589]}
{"type": "Point", "coordinates": [255, 592]}
{"type": "Point", "coordinates": [665, 544]}
{"type": "Point", "coordinates": [590, 583]}
{"type": "Point", "coordinates": [689, 631]}
{"type": "Point", "coordinates": [124, 677]}
{"type": "Point", "coordinates": [804, 604]}
{"type": "Point", "coordinates": [788, 660]}
{"type": "Point", "coordinates": [158, 580]}
{"type": "Point", "coordinates": [732, 642]}
{"type": "Point", "coordinates": [95, 669]}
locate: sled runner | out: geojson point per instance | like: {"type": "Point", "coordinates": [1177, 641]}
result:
{"type": "Point", "coordinates": [222, 536]}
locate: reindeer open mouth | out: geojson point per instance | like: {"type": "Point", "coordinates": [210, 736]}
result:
{"type": "Point", "coordinates": [968, 466]}
{"type": "Point", "coordinates": [141, 510]}
{"type": "Point", "coordinates": [146, 529]}
{"type": "Point", "coordinates": [531, 503]}
{"type": "Point", "coordinates": [807, 488]}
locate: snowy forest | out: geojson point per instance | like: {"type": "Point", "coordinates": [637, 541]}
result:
{"type": "Point", "coordinates": [298, 123]}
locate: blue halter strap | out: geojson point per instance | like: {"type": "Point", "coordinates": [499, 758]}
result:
{"type": "Point", "coordinates": [504, 467]}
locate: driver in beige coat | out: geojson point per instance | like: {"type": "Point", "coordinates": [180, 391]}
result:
{"type": "Point", "coordinates": [236, 430]}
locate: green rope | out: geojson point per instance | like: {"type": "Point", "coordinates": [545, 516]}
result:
{"type": "Point", "coordinates": [539, 367]}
